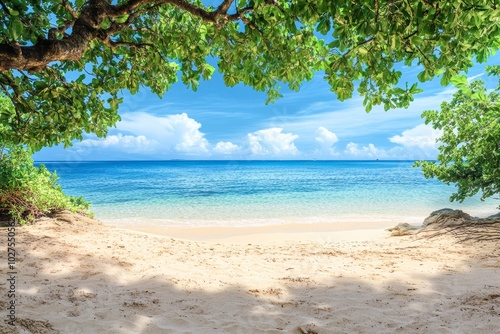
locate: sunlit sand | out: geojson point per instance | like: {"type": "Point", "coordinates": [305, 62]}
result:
{"type": "Point", "coordinates": [79, 276]}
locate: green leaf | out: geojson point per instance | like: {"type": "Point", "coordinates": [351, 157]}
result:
{"type": "Point", "coordinates": [40, 85]}
{"type": "Point", "coordinates": [480, 96]}
{"type": "Point", "coordinates": [122, 19]}
{"type": "Point", "coordinates": [16, 28]}
{"type": "Point", "coordinates": [203, 31]}
{"type": "Point", "coordinates": [362, 50]}
{"type": "Point", "coordinates": [422, 76]}
{"type": "Point", "coordinates": [459, 81]}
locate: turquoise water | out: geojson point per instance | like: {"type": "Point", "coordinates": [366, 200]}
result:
{"type": "Point", "coordinates": [235, 193]}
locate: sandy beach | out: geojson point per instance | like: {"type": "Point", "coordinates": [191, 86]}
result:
{"type": "Point", "coordinates": [75, 275]}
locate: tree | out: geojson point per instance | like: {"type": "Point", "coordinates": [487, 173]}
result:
{"type": "Point", "coordinates": [469, 151]}
{"type": "Point", "coordinates": [63, 63]}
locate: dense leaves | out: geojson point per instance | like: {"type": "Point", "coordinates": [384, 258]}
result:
{"type": "Point", "coordinates": [63, 63]}
{"type": "Point", "coordinates": [27, 191]}
{"type": "Point", "coordinates": [469, 151]}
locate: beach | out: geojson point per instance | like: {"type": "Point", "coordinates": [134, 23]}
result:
{"type": "Point", "coordinates": [77, 275]}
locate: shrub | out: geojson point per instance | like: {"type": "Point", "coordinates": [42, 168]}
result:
{"type": "Point", "coordinates": [28, 192]}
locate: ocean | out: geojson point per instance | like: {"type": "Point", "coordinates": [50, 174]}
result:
{"type": "Point", "coordinates": [248, 193]}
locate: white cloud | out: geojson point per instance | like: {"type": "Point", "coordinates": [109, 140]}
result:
{"type": "Point", "coordinates": [417, 143]}
{"type": "Point", "coordinates": [152, 135]}
{"type": "Point", "coordinates": [326, 137]}
{"type": "Point", "coordinates": [272, 142]}
{"type": "Point", "coordinates": [420, 142]}
{"type": "Point", "coordinates": [173, 132]}
{"type": "Point", "coordinates": [350, 119]}
{"type": "Point", "coordinates": [225, 147]}
{"type": "Point", "coordinates": [422, 136]}
{"type": "Point", "coordinates": [326, 140]}
{"type": "Point", "coordinates": [129, 144]}
{"type": "Point", "coordinates": [367, 152]}
{"type": "Point", "coordinates": [474, 77]}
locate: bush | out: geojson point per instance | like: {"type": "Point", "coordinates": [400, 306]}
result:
{"type": "Point", "coordinates": [28, 192]}
{"type": "Point", "coordinates": [469, 149]}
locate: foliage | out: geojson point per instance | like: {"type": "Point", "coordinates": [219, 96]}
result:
{"type": "Point", "coordinates": [27, 191]}
{"type": "Point", "coordinates": [469, 151]}
{"type": "Point", "coordinates": [63, 63]}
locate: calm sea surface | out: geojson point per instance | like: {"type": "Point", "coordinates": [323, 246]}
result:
{"type": "Point", "coordinates": [235, 193]}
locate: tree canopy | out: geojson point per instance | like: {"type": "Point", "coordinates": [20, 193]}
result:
{"type": "Point", "coordinates": [63, 63]}
{"type": "Point", "coordinates": [469, 150]}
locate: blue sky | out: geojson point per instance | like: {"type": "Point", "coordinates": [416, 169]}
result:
{"type": "Point", "coordinates": [218, 122]}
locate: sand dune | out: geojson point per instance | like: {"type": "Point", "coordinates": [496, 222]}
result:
{"type": "Point", "coordinates": [79, 276]}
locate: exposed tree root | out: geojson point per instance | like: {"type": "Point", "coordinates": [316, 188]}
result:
{"type": "Point", "coordinates": [460, 225]}
{"type": "Point", "coordinates": [474, 231]}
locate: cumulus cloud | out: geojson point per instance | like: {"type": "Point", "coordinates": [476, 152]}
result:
{"type": "Point", "coordinates": [363, 152]}
{"type": "Point", "coordinates": [225, 147]}
{"type": "Point", "coordinates": [326, 140]}
{"type": "Point", "coordinates": [272, 142]}
{"type": "Point", "coordinates": [130, 144]}
{"type": "Point", "coordinates": [325, 137]}
{"type": "Point", "coordinates": [151, 135]}
{"type": "Point", "coordinates": [422, 136]}
{"type": "Point", "coordinates": [419, 142]}
{"type": "Point", "coordinates": [173, 132]}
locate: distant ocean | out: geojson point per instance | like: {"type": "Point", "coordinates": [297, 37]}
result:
{"type": "Point", "coordinates": [244, 193]}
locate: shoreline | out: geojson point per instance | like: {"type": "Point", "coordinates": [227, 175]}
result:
{"type": "Point", "coordinates": [343, 221]}
{"type": "Point", "coordinates": [305, 232]}
{"type": "Point", "coordinates": [351, 228]}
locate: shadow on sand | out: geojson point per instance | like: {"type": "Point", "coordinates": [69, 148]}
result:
{"type": "Point", "coordinates": [102, 284]}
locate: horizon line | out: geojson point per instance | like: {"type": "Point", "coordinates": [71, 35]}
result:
{"type": "Point", "coordinates": [239, 160]}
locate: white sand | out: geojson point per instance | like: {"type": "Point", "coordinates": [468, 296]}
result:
{"type": "Point", "coordinates": [82, 277]}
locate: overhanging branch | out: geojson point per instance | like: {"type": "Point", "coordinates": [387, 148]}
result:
{"type": "Point", "coordinates": [86, 27]}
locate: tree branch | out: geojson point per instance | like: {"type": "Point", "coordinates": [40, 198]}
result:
{"type": "Point", "coordinates": [424, 55]}
{"type": "Point", "coordinates": [113, 44]}
{"type": "Point", "coordinates": [36, 57]}
{"type": "Point", "coordinates": [369, 40]}
{"type": "Point", "coordinates": [411, 35]}
{"type": "Point", "coordinates": [52, 34]}
{"type": "Point", "coordinates": [69, 9]}
{"type": "Point", "coordinates": [5, 8]}
{"type": "Point", "coordinates": [224, 7]}
{"type": "Point", "coordinates": [132, 5]}
{"type": "Point", "coordinates": [240, 14]}
{"type": "Point", "coordinates": [86, 26]}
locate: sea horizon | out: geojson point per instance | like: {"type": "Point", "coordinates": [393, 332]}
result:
{"type": "Point", "coordinates": [236, 160]}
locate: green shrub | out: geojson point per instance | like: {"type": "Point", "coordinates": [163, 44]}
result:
{"type": "Point", "coordinates": [28, 192]}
